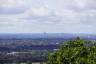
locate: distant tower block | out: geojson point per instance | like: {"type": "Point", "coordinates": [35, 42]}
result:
{"type": "Point", "coordinates": [45, 35]}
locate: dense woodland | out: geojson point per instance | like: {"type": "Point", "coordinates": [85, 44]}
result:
{"type": "Point", "coordinates": [76, 51]}
{"type": "Point", "coordinates": [27, 50]}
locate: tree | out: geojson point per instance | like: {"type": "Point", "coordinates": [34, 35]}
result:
{"type": "Point", "coordinates": [76, 51]}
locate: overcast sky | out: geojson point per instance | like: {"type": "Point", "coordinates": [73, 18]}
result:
{"type": "Point", "coordinates": [52, 16]}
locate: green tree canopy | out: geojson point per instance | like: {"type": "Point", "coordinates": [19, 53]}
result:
{"type": "Point", "coordinates": [76, 51]}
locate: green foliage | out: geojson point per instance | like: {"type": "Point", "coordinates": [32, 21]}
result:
{"type": "Point", "coordinates": [76, 51]}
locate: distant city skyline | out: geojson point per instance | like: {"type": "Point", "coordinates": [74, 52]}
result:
{"type": "Point", "coordinates": [50, 16]}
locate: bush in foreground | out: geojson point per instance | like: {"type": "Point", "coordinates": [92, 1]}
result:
{"type": "Point", "coordinates": [76, 51]}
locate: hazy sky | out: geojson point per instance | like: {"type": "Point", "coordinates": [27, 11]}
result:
{"type": "Point", "coordinates": [52, 16]}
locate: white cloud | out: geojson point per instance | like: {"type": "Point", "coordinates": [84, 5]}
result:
{"type": "Point", "coordinates": [42, 11]}
{"type": "Point", "coordinates": [13, 6]}
{"type": "Point", "coordinates": [47, 15]}
{"type": "Point", "coordinates": [81, 3]}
